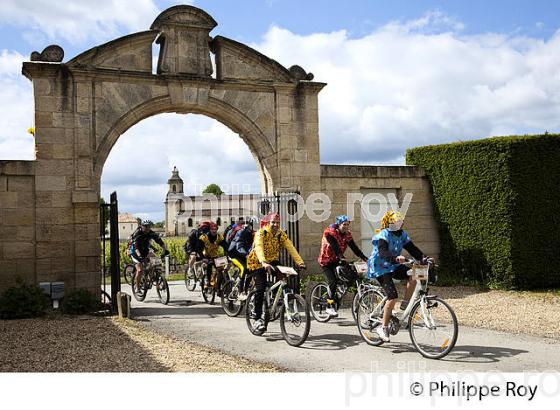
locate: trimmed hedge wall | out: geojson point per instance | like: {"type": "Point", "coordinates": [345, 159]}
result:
{"type": "Point", "coordinates": [497, 202]}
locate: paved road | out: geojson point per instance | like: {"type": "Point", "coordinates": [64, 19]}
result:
{"type": "Point", "coordinates": [336, 346]}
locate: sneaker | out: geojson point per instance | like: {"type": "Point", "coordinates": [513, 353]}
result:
{"type": "Point", "coordinates": [383, 333]}
{"type": "Point", "coordinates": [404, 304]}
{"type": "Point", "coordinates": [242, 297]}
{"type": "Point", "coordinates": [259, 325]}
{"type": "Point", "coordinates": [331, 311]}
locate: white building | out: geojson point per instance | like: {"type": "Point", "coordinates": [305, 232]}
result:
{"type": "Point", "coordinates": [184, 212]}
{"type": "Point", "coordinates": [127, 225]}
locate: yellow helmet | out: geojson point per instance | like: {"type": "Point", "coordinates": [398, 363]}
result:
{"type": "Point", "coordinates": [392, 218]}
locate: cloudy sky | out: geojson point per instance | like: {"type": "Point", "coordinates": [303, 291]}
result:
{"type": "Point", "coordinates": [400, 74]}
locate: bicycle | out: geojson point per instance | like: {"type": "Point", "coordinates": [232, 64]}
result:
{"type": "Point", "coordinates": [194, 274]}
{"type": "Point", "coordinates": [319, 293]}
{"type": "Point", "coordinates": [152, 275]}
{"type": "Point", "coordinates": [208, 285]}
{"type": "Point", "coordinates": [281, 301]}
{"type": "Point", "coordinates": [431, 340]}
{"type": "Point", "coordinates": [230, 292]}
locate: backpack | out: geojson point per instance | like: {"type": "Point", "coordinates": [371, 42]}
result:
{"type": "Point", "coordinates": [229, 235]}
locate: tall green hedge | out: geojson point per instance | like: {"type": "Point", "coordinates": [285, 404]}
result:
{"type": "Point", "coordinates": [498, 206]}
{"type": "Point", "coordinates": [174, 245]}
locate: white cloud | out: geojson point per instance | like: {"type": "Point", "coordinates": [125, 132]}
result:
{"type": "Point", "coordinates": [421, 82]}
{"type": "Point", "coordinates": [77, 21]}
{"type": "Point", "coordinates": [16, 106]}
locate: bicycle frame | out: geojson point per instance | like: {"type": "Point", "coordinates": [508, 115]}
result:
{"type": "Point", "coordinates": [420, 294]}
{"type": "Point", "coordinates": [281, 291]}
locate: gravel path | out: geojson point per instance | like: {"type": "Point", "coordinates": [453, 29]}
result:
{"type": "Point", "coordinates": [97, 344]}
{"type": "Point", "coordinates": [532, 313]}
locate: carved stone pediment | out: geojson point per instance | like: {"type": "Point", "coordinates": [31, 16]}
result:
{"type": "Point", "coordinates": [184, 38]}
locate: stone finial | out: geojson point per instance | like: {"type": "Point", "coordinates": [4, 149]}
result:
{"type": "Point", "coordinates": [51, 54]}
{"type": "Point", "coordinates": [299, 74]}
{"type": "Point", "coordinates": [184, 40]}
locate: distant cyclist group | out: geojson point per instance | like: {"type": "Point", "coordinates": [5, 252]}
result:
{"type": "Point", "coordinates": [254, 252]}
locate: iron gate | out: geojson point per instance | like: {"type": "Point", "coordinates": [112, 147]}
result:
{"type": "Point", "coordinates": [285, 204]}
{"type": "Point", "coordinates": [113, 267]}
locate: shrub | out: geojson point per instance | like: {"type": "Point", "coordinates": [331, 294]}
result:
{"type": "Point", "coordinates": [81, 301]}
{"type": "Point", "coordinates": [498, 208]}
{"type": "Point", "coordinates": [23, 301]}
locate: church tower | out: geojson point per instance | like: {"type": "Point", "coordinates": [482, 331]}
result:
{"type": "Point", "coordinates": [174, 189]}
{"type": "Point", "coordinates": [175, 183]}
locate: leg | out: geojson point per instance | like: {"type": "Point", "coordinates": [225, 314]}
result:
{"type": "Point", "coordinates": [260, 280]}
{"type": "Point", "coordinates": [386, 281]}
{"type": "Point", "coordinates": [330, 276]}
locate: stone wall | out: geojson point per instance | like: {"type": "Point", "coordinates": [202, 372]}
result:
{"type": "Point", "coordinates": [17, 222]}
{"type": "Point", "coordinates": [339, 180]}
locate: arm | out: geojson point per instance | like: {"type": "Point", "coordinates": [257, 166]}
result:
{"type": "Point", "coordinates": [413, 250]}
{"type": "Point", "coordinates": [384, 252]}
{"type": "Point", "coordinates": [244, 242]}
{"type": "Point", "coordinates": [334, 246]}
{"type": "Point", "coordinates": [357, 251]}
{"type": "Point", "coordinates": [259, 248]}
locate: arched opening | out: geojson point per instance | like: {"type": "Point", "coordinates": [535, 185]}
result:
{"type": "Point", "coordinates": [203, 150]}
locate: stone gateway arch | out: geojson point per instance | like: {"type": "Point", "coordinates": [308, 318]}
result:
{"type": "Point", "coordinates": [50, 206]}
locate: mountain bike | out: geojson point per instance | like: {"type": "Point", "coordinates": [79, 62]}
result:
{"type": "Point", "coordinates": [281, 301]}
{"type": "Point", "coordinates": [349, 275]}
{"type": "Point", "coordinates": [431, 322]}
{"type": "Point", "coordinates": [194, 274]}
{"type": "Point", "coordinates": [213, 285]}
{"type": "Point", "coordinates": [230, 292]}
{"type": "Point", "coordinates": [152, 275]}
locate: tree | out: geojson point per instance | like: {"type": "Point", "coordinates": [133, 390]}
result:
{"type": "Point", "coordinates": [213, 189]}
{"type": "Point", "coordinates": [158, 224]}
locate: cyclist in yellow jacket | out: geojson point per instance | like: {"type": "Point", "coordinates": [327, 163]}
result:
{"type": "Point", "coordinates": [264, 256]}
{"type": "Point", "coordinates": [214, 247]}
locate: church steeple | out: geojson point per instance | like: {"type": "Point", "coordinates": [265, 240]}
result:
{"type": "Point", "coordinates": [175, 183]}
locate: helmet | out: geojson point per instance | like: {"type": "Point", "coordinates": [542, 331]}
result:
{"type": "Point", "coordinates": [392, 220]}
{"type": "Point", "coordinates": [273, 216]}
{"type": "Point", "coordinates": [147, 223]}
{"type": "Point", "coordinates": [341, 219]}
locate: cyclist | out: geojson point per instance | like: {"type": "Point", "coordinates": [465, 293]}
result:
{"type": "Point", "coordinates": [140, 247]}
{"type": "Point", "coordinates": [230, 231]}
{"type": "Point", "coordinates": [194, 247]}
{"type": "Point", "coordinates": [386, 264]}
{"type": "Point", "coordinates": [264, 257]}
{"type": "Point", "coordinates": [213, 247]}
{"type": "Point", "coordinates": [336, 238]}
{"type": "Point", "coordinates": [238, 250]}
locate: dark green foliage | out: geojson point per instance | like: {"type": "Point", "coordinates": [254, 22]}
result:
{"type": "Point", "coordinates": [23, 301]}
{"type": "Point", "coordinates": [213, 189]}
{"type": "Point", "coordinates": [497, 203]}
{"type": "Point", "coordinates": [81, 301]}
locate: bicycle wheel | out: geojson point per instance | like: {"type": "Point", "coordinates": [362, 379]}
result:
{"type": "Point", "coordinates": [162, 288]}
{"type": "Point", "coordinates": [231, 305]}
{"type": "Point", "coordinates": [366, 320]}
{"type": "Point", "coordinates": [250, 316]}
{"type": "Point", "coordinates": [295, 320]}
{"type": "Point", "coordinates": [128, 273]}
{"type": "Point", "coordinates": [318, 302]}
{"type": "Point", "coordinates": [208, 291]}
{"type": "Point", "coordinates": [434, 329]}
{"type": "Point", "coordinates": [355, 301]}
{"type": "Point", "coordinates": [139, 294]}
{"type": "Point", "coordinates": [190, 279]}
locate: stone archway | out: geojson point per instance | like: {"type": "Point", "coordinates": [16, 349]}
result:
{"type": "Point", "coordinates": [84, 105]}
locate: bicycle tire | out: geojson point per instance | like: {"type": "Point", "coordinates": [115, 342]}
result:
{"type": "Point", "coordinates": [295, 318]}
{"type": "Point", "coordinates": [230, 307]}
{"type": "Point", "coordinates": [128, 273]}
{"type": "Point", "coordinates": [139, 295]}
{"type": "Point", "coordinates": [190, 279]}
{"type": "Point", "coordinates": [355, 301]}
{"type": "Point", "coordinates": [450, 344]}
{"type": "Point", "coordinates": [208, 292]}
{"type": "Point", "coordinates": [318, 303]}
{"type": "Point", "coordinates": [162, 289]}
{"type": "Point", "coordinates": [366, 303]}
{"type": "Point", "coordinates": [249, 314]}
